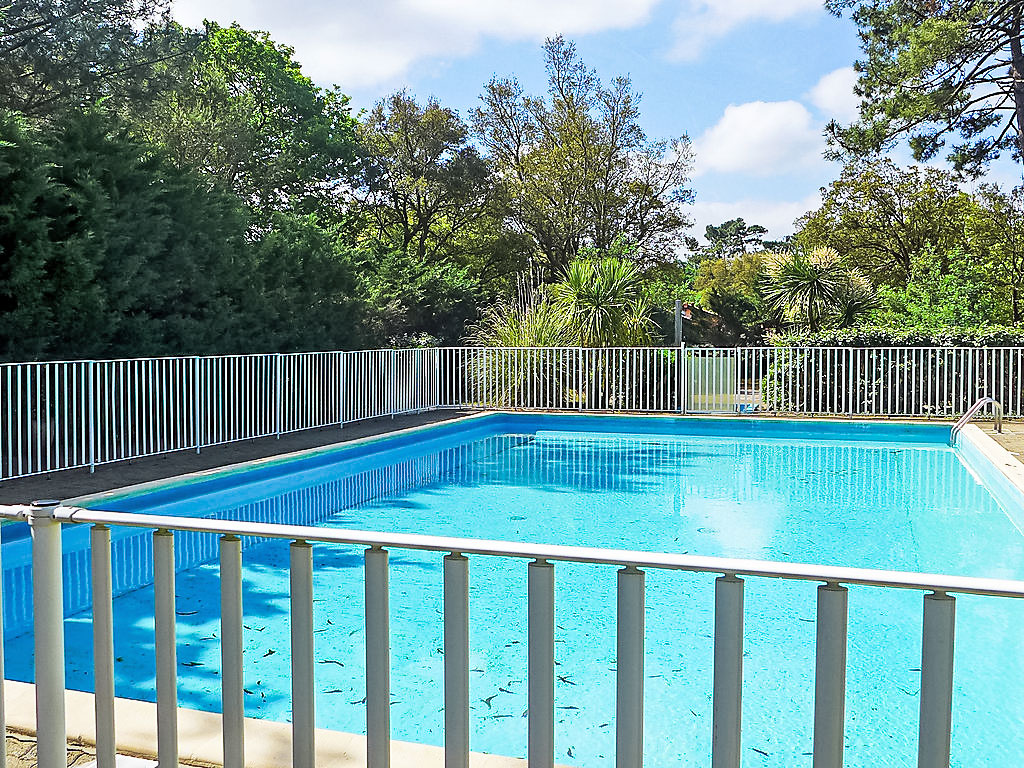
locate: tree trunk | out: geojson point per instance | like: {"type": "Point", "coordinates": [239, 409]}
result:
{"type": "Point", "coordinates": [1017, 68]}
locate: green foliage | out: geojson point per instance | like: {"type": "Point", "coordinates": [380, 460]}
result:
{"type": "Point", "coordinates": [728, 239]}
{"type": "Point", "coordinates": [577, 167]}
{"type": "Point", "coordinates": [933, 71]}
{"type": "Point", "coordinates": [951, 290]}
{"type": "Point", "coordinates": [879, 217]}
{"type": "Point", "coordinates": [887, 336]}
{"type": "Point", "coordinates": [605, 302]}
{"type": "Point", "coordinates": [243, 114]}
{"type": "Point", "coordinates": [815, 288]}
{"type": "Point", "coordinates": [732, 289]}
{"type": "Point", "coordinates": [56, 56]}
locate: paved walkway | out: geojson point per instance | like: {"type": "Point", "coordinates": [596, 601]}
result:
{"type": "Point", "coordinates": [1012, 438]}
{"type": "Point", "coordinates": [78, 482]}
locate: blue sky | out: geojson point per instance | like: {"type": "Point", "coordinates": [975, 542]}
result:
{"type": "Point", "coordinates": [751, 82]}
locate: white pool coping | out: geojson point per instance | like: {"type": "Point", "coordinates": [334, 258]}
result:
{"type": "Point", "coordinates": [1008, 465]}
{"type": "Point", "coordinates": [268, 744]}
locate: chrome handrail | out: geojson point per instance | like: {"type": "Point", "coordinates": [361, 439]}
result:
{"type": "Point", "coordinates": [997, 411]}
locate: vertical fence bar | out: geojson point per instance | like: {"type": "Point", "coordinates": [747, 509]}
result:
{"type": "Point", "coordinates": [300, 555]}
{"type": "Point", "coordinates": [197, 410]}
{"type": "Point", "coordinates": [232, 701]}
{"type": "Point", "coordinates": [90, 389]}
{"type": "Point", "coordinates": [378, 659]}
{"type": "Point", "coordinates": [936, 680]}
{"type": "Point", "coordinates": [541, 663]}
{"type": "Point", "coordinates": [830, 676]}
{"type": "Point", "coordinates": [629, 670]}
{"type": "Point", "coordinates": [456, 661]}
{"type": "Point", "coordinates": [103, 645]}
{"type": "Point", "coordinates": [166, 649]}
{"type": "Point", "coordinates": [48, 628]}
{"type": "Point", "coordinates": [728, 673]}
{"type": "Point", "coordinates": [278, 394]}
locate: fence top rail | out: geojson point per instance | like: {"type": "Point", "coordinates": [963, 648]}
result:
{"type": "Point", "coordinates": [663, 348]}
{"type": "Point", "coordinates": [547, 552]}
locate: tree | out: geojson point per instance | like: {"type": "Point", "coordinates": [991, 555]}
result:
{"type": "Point", "coordinates": [933, 70]}
{"type": "Point", "coordinates": [879, 217]}
{"type": "Point", "coordinates": [996, 228]}
{"type": "Point", "coordinates": [244, 115]}
{"type": "Point", "coordinates": [577, 167]}
{"type": "Point", "coordinates": [604, 300]}
{"type": "Point", "coordinates": [58, 55]}
{"type": "Point", "coordinates": [731, 288]}
{"type": "Point", "coordinates": [422, 184]}
{"type": "Point", "coordinates": [730, 238]}
{"type": "Point", "coordinates": [815, 287]}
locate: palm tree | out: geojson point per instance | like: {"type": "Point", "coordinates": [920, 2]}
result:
{"type": "Point", "coordinates": [605, 301]}
{"type": "Point", "coordinates": [806, 286]}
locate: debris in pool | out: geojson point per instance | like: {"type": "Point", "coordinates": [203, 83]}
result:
{"type": "Point", "coordinates": [254, 629]}
{"type": "Point", "coordinates": [565, 679]}
{"type": "Point", "coordinates": [186, 613]}
{"type": "Point", "coordinates": [760, 751]}
{"type": "Point", "coordinates": [495, 717]}
{"type": "Point", "coordinates": [517, 517]}
{"type": "Point", "coordinates": [505, 690]}
{"type": "Point", "coordinates": [567, 706]}
{"type": "Point", "coordinates": [694, 713]}
{"type": "Point", "coordinates": [569, 752]}
{"type": "Point", "coordinates": [489, 699]}
{"type": "Point", "coordinates": [331, 661]}
{"type": "Point", "coordinates": [248, 691]}
{"type": "Point", "coordinates": [270, 652]}
{"type": "Point", "coordinates": [361, 701]}
{"type": "Point", "coordinates": [334, 690]}
{"type": "Point", "coordinates": [191, 663]}
{"type": "Point", "coordinates": [604, 725]}
{"type": "Point", "coordinates": [476, 669]}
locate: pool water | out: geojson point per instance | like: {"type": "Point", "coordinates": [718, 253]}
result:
{"type": "Point", "coordinates": [886, 497]}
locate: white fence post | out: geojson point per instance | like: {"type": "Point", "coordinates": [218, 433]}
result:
{"type": "Point", "coordinates": [48, 632]}
{"type": "Point", "coordinates": [300, 557]}
{"type": "Point", "coordinates": [456, 661]}
{"type": "Point", "coordinates": [378, 660]}
{"type": "Point", "coordinates": [936, 680]}
{"type": "Point", "coordinates": [629, 670]}
{"type": "Point", "coordinates": [540, 674]}
{"type": "Point", "coordinates": [830, 676]}
{"type": "Point", "coordinates": [197, 402]}
{"type": "Point", "coordinates": [103, 645]}
{"type": "Point", "coordinates": [728, 673]}
{"type": "Point", "coordinates": [278, 394]}
{"type": "Point", "coordinates": [166, 650]}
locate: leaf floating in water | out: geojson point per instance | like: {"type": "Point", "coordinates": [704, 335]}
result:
{"type": "Point", "coordinates": [247, 691]}
{"type": "Point", "coordinates": [186, 613]}
{"type": "Point", "coordinates": [517, 517]}
{"type": "Point", "coordinates": [271, 652]}
{"type": "Point", "coordinates": [495, 717]}
{"type": "Point", "coordinates": [254, 629]}
{"type": "Point", "coordinates": [331, 661]}
{"type": "Point", "coordinates": [568, 706]}
{"type": "Point", "coordinates": [476, 669]}
{"type": "Point", "coordinates": [334, 690]}
{"type": "Point", "coordinates": [569, 752]}
{"type": "Point", "coordinates": [565, 679]}
{"type": "Point", "coordinates": [604, 725]}
{"type": "Point", "coordinates": [489, 699]}
{"type": "Point", "coordinates": [361, 701]}
{"type": "Point", "coordinates": [191, 663]}
{"type": "Point", "coordinates": [694, 713]}
{"type": "Point", "coordinates": [505, 690]}
{"type": "Point", "coordinates": [760, 751]}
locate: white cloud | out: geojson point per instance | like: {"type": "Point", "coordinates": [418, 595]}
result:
{"type": "Point", "coordinates": [760, 138]}
{"type": "Point", "coordinates": [703, 21]}
{"type": "Point", "coordinates": [834, 97]}
{"type": "Point", "coordinates": [364, 44]}
{"type": "Point", "coordinates": [775, 215]}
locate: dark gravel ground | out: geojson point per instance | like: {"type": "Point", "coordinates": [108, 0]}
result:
{"type": "Point", "coordinates": [77, 482]}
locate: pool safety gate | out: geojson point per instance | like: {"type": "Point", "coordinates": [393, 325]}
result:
{"type": "Point", "coordinates": [62, 415]}
{"type": "Point", "coordinates": [46, 520]}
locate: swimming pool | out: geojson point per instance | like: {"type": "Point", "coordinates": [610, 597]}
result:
{"type": "Point", "coordinates": [868, 495]}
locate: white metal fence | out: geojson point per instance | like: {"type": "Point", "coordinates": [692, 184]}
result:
{"type": "Point", "coordinates": [63, 415]}
{"type": "Point", "coordinates": [876, 381]}
{"type": "Point", "coordinates": [46, 522]}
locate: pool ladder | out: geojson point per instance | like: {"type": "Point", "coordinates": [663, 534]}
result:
{"type": "Point", "coordinates": [997, 411]}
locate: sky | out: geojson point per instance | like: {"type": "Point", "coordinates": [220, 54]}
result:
{"type": "Point", "coordinates": [751, 82]}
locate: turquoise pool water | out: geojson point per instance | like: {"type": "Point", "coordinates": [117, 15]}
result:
{"type": "Point", "coordinates": [877, 496]}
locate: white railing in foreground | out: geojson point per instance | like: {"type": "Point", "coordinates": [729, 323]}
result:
{"type": "Point", "coordinates": [46, 520]}
{"type": "Point", "coordinates": [85, 413]}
